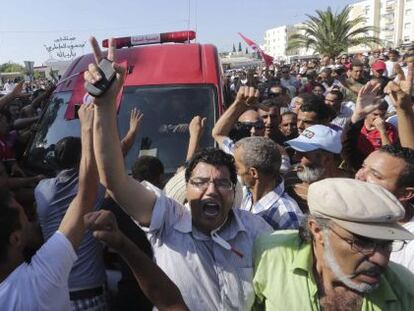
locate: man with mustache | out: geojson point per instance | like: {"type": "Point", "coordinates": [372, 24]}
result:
{"type": "Point", "coordinates": [339, 259]}
{"type": "Point", "coordinates": [204, 247]}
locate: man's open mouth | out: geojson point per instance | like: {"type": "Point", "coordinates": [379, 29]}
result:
{"type": "Point", "coordinates": [211, 209]}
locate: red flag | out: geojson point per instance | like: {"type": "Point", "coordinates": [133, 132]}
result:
{"type": "Point", "coordinates": [267, 58]}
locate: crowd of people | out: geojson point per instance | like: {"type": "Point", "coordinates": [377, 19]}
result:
{"type": "Point", "coordinates": [307, 203]}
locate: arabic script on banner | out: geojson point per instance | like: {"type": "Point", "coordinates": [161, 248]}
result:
{"type": "Point", "coordinates": [65, 47]}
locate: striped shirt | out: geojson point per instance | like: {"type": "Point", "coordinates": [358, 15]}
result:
{"type": "Point", "coordinates": [276, 207]}
{"type": "Point", "coordinates": [208, 276]}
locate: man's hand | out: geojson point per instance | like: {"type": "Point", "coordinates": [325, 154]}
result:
{"type": "Point", "coordinates": [196, 126]}
{"type": "Point", "coordinates": [367, 101]}
{"type": "Point", "coordinates": [104, 228]}
{"type": "Point", "coordinates": [379, 124]}
{"type": "Point", "coordinates": [92, 75]}
{"type": "Point", "coordinates": [86, 114]}
{"type": "Point", "coordinates": [135, 120]}
{"type": "Point", "coordinates": [247, 95]}
{"type": "Point", "coordinates": [401, 91]}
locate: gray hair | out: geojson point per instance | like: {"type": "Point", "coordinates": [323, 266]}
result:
{"type": "Point", "coordinates": [261, 153]}
{"type": "Point", "coordinates": [304, 231]}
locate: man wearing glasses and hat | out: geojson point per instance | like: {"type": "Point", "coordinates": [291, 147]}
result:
{"type": "Point", "coordinates": [339, 259]}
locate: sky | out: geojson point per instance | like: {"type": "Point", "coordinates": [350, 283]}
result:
{"type": "Point", "coordinates": [27, 26]}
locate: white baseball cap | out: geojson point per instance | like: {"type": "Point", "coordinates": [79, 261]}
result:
{"type": "Point", "coordinates": [317, 137]}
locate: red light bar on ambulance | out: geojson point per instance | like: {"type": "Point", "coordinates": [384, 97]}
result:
{"type": "Point", "coordinates": [177, 36]}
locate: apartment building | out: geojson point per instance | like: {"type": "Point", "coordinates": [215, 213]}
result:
{"type": "Point", "coordinates": [408, 22]}
{"type": "Point", "coordinates": [276, 42]}
{"type": "Point", "coordinates": [392, 18]}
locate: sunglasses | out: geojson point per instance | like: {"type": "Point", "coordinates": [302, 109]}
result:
{"type": "Point", "coordinates": [272, 95]}
{"type": "Point", "coordinates": [258, 125]}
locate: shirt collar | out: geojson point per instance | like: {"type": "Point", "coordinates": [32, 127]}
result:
{"type": "Point", "coordinates": [303, 265]}
{"type": "Point", "coordinates": [269, 199]}
{"type": "Point", "coordinates": [304, 258]}
{"type": "Point", "coordinates": [384, 293]}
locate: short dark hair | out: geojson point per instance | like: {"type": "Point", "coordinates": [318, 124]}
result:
{"type": "Point", "coordinates": [68, 152]}
{"type": "Point", "coordinates": [327, 70]}
{"type": "Point", "coordinates": [406, 179]}
{"type": "Point", "coordinates": [356, 63]}
{"type": "Point", "coordinates": [9, 222]}
{"type": "Point", "coordinates": [147, 168]}
{"type": "Point", "coordinates": [393, 51]}
{"type": "Point", "coordinates": [215, 157]}
{"type": "Point", "coordinates": [287, 113]}
{"type": "Point", "coordinates": [317, 105]}
{"type": "Point", "coordinates": [339, 95]}
{"type": "Point", "coordinates": [383, 106]}
{"type": "Point", "coordinates": [268, 103]}
{"type": "Point", "coordinates": [320, 85]}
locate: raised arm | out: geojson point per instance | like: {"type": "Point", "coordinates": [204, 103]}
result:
{"type": "Point", "coordinates": [196, 129]}
{"type": "Point", "coordinates": [155, 284]}
{"type": "Point", "coordinates": [23, 123]}
{"type": "Point", "coordinates": [72, 225]}
{"type": "Point", "coordinates": [366, 102]}
{"type": "Point", "coordinates": [134, 198]}
{"type": "Point", "coordinates": [401, 96]}
{"type": "Point", "coordinates": [134, 124]}
{"type": "Point", "coordinates": [245, 99]}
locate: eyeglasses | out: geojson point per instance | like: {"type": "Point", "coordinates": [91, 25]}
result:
{"type": "Point", "coordinates": [202, 184]}
{"type": "Point", "coordinates": [369, 246]}
{"type": "Point", "coordinates": [258, 125]}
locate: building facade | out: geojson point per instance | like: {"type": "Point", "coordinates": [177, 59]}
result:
{"type": "Point", "coordinates": [393, 20]}
{"type": "Point", "coordinates": [276, 42]}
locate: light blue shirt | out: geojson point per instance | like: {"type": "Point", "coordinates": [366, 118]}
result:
{"type": "Point", "coordinates": [53, 196]}
{"type": "Point", "coordinates": [209, 276]}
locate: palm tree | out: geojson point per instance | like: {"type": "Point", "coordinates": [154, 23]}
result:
{"type": "Point", "coordinates": [329, 33]}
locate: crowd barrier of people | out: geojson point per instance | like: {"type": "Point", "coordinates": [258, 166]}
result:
{"type": "Point", "coordinates": [307, 203]}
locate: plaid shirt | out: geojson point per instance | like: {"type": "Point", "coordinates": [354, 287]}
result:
{"type": "Point", "coordinates": [276, 207]}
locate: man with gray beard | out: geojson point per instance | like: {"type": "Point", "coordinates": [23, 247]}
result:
{"type": "Point", "coordinates": [317, 151]}
{"type": "Point", "coordinates": [339, 258]}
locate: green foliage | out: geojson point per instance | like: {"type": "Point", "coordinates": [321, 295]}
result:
{"type": "Point", "coordinates": [330, 33]}
{"type": "Point", "coordinates": [38, 75]}
{"type": "Point", "coordinates": [11, 67]}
